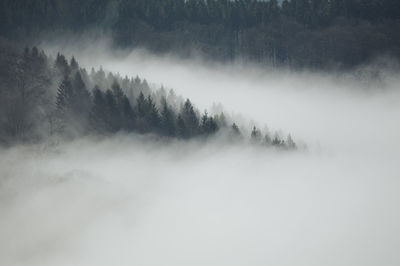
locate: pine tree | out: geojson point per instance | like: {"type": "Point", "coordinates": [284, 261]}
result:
{"type": "Point", "coordinates": [118, 93]}
{"type": "Point", "coordinates": [81, 97]}
{"type": "Point", "coordinates": [235, 129]}
{"type": "Point", "coordinates": [234, 133]}
{"type": "Point", "coordinates": [62, 66]}
{"type": "Point", "coordinates": [64, 97]}
{"type": "Point", "coordinates": [277, 142]}
{"type": "Point", "coordinates": [203, 123]}
{"type": "Point", "coordinates": [255, 135]}
{"type": "Point", "coordinates": [152, 116]}
{"type": "Point", "coordinates": [190, 118]}
{"type": "Point", "coordinates": [128, 115]}
{"type": "Point", "coordinates": [168, 127]}
{"type": "Point", "coordinates": [290, 143]}
{"type": "Point", "coordinates": [181, 129]}
{"type": "Point", "coordinates": [141, 105]}
{"type": "Point", "coordinates": [98, 113]}
{"type": "Point", "coordinates": [208, 125]}
{"type": "Point", "coordinates": [112, 115]}
{"type": "Point", "coordinates": [74, 65]}
{"type": "Point", "coordinates": [267, 139]}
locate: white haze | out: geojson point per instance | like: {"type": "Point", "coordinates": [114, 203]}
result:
{"type": "Point", "coordinates": [128, 200]}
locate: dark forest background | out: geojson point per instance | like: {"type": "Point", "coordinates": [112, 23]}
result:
{"type": "Point", "coordinates": [318, 34]}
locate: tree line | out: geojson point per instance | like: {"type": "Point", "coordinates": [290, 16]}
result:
{"type": "Point", "coordinates": [43, 97]}
{"type": "Point", "coordinates": [297, 33]}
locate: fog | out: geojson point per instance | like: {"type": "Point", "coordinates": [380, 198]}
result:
{"type": "Point", "coordinates": [134, 200]}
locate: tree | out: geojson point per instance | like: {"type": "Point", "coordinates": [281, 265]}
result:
{"type": "Point", "coordinates": [98, 112]}
{"type": "Point", "coordinates": [168, 127]}
{"type": "Point", "coordinates": [61, 66]}
{"type": "Point", "coordinates": [208, 125]}
{"type": "Point", "coordinates": [113, 119]}
{"type": "Point", "coordinates": [235, 129]}
{"type": "Point", "coordinates": [234, 133]}
{"type": "Point", "coordinates": [128, 115]}
{"type": "Point", "coordinates": [142, 111]}
{"type": "Point", "coordinates": [74, 65]}
{"type": "Point", "coordinates": [277, 142]}
{"type": "Point", "coordinates": [290, 143]}
{"type": "Point", "coordinates": [64, 99]}
{"type": "Point", "coordinates": [118, 93]}
{"type": "Point", "coordinates": [255, 135]}
{"type": "Point", "coordinates": [81, 97]}
{"type": "Point", "coordinates": [24, 83]}
{"type": "Point", "coordinates": [141, 105]}
{"type": "Point", "coordinates": [181, 129]}
{"type": "Point", "coordinates": [73, 103]}
{"type": "Point", "coordinates": [152, 116]}
{"type": "Point", "coordinates": [267, 139]}
{"type": "Point", "coordinates": [190, 118]}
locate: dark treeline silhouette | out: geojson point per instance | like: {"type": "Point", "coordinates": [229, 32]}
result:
{"type": "Point", "coordinates": [110, 108]}
{"type": "Point", "coordinates": [297, 33]}
{"type": "Point", "coordinates": [43, 97]}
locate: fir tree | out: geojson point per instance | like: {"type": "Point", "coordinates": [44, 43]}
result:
{"type": "Point", "coordinates": [62, 66]}
{"type": "Point", "coordinates": [168, 127]}
{"type": "Point", "coordinates": [190, 118]}
{"type": "Point", "coordinates": [98, 113]}
{"type": "Point", "coordinates": [181, 129]}
{"type": "Point", "coordinates": [277, 142]}
{"type": "Point", "coordinates": [81, 96]}
{"type": "Point", "coordinates": [290, 143]}
{"type": "Point", "coordinates": [64, 97]}
{"type": "Point", "coordinates": [255, 135]}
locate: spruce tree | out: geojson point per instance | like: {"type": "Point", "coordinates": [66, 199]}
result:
{"type": "Point", "coordinates": [128, 115]}
{"type": "Point", "coordinates": [190, 118]}
{"type": "Point", "coordinates": [168, 127]}
{"type": "Point", "coordinates": [290, 143]}
{"type": "Point", "coordinates": [61, 65]}
{"type": "Point", "coordinates": [113, 120]}
{"type": "Point", "coordinates": [98, 112]}
{"type": "Point", "coordinates": [81, 97]}
{"type": "Point", "coordinates": [64, 97]}
{"type": "Point", "coordinates": [255, 135]}
{"type": "Point", "coordinates": [181, 129]}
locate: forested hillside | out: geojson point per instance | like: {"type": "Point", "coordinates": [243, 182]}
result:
{"type": "Point", "coordinates": [42, 97]}
{"type": "Point", "coordinates": [296, 33]}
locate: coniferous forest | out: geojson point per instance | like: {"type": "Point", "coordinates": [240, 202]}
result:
{"type": "Point", "coordinates": [44, 97]}
{"type": "Point", "coordinates": [314, 34]}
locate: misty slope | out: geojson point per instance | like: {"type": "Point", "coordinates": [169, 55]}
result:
{"type": "Point", "coordinates": [127, 200]}
{"type": "Point", "coordinates": [33, 111]}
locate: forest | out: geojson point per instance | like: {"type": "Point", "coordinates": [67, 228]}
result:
{"type": "Point", "coordinates": [42, 97]}
{"type": "Point", "coordinates": [317, 34]}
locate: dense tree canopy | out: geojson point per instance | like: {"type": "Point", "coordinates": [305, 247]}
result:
{"type": "Point", "coordinates": [311, 33]}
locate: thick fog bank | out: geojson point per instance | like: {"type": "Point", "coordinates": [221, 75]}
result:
{"type": "Point", "coordinates": [127, 200]}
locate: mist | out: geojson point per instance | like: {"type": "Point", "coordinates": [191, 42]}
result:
{"type": "Point", "coordinates": [129, 200]}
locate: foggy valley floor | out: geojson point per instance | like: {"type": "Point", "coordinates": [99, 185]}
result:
{"type": "Point", "coordinates": [125, 200]}
{"type": "Point", "coordinates": [121, 201]}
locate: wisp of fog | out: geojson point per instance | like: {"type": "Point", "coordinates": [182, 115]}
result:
{"type": "Point", "coordinates": [127, 200]}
